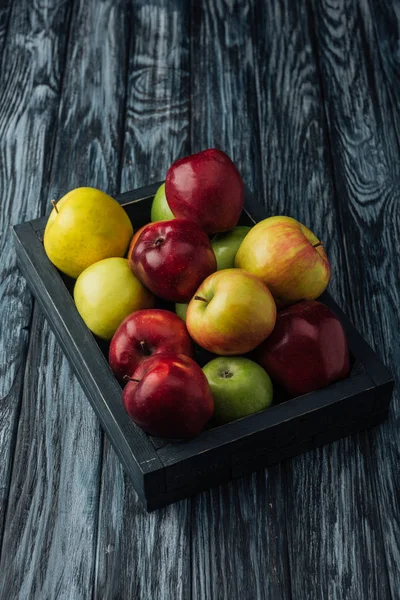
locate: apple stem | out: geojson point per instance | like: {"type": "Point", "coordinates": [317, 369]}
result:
{"type": "Point", "coordinates": [200, 298]}
{"type": "Point", "coordinates": [54, 203]}
{"type": "Point", "coordinates": [317, 245]}
{"type": "Point", "coordinates": [127, 378]}
{"type": "Point", "coordinates": [145, 349]}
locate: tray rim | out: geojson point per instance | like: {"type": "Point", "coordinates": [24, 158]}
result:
{"type": "Point", "coordinates": [146, 464]}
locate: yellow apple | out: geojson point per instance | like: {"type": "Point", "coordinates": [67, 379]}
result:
{"type": "Point", "coordinates": [287, 257]}
{"type": "Point", "coordinates": [107, 292]}
{"type": "Point", "coordinates": [84, 227]}
{"type": "Point", "coordinates": [232, 312]}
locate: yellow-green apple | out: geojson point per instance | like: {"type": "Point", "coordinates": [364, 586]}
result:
{"type": "Point", "coordinates": [143, 334]}
{"type": "Point", "coordinates": [207, 188]}
{"type": "Point", "coordinates": [307, 350]}
{"type": "Point", "coordinates": [225, 246]}
{"type": "Point", "coordinates": [287, 257]}
{"type": "Point", "coordinates": [240, 387]}
{"type": "Point", "coordinates": [107, 292]}
{"type": "Point", "coordinates": [232, 312]}
{"type": "Point", "coordinates": [171, 258]}
{"type": "Point", "coordinates": [160, 211]}
{"type": "Point", "coordinates": [169, 396]}
{"type": "Point", "coordinates": [84, 227]}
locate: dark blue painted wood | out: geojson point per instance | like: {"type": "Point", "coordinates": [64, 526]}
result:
{"type": "Point", "coordinates": [5, 13]}
{"type": "Point", "coordinates": [298, 180]}
{"type": "Point", "coordinates": [141, 555]}
{"type": "Point", "coordinates": [358, 49]}
{"type": "Point", "coordinates": [29, 97]}
{"type": "Point", "coordinates": [50, 537]}
{"type": "Point", "coordinates": [305, 97]}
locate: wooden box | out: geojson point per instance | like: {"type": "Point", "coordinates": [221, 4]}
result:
{"type": "Point", "coordinates": [163, 472]}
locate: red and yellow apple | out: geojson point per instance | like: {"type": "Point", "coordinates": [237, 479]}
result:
{"type": "Point", "coordinates": [232, 312]}
{"type": "Point", "coordinates": [287, 257]}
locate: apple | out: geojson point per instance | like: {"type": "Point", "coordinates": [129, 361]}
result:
{"type": "Point", "coordinates": [181, 310]}
{"type": "Point", "coordinates": [232, 312]}
{"type": "Point", "coordinates": [169, 396]}
{"type": "Point", "coordinates": [226, 245]}
{"type": "Point", "coordinates": [107, 292]}
{"type": "Point", "coordinates": [307, 350]}
{"type": "Point", "coordinates": [85, 226]}
{"type": "Point", "coordinates": [171, 258]}
{"type": "Point", "coordinates": [240, 387]}
{"type": "Point", "coordinates": [160, 211]}
{"type": "Point", "coordinates": [207, 188]}
{"type": "Point", "coordinates": [287, 257]}
{"type": "Point", "coordinates": [145, 333]}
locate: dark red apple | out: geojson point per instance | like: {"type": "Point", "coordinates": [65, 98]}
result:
{"type": "Point", "coordinates": [169, 396]}
{"type": "Point", "coordinates": [207, 188]}
{"type": "Point", "coordinates": [307, 349]}
{"type": "Point", "coordinates": [143, 334]}
{"type": "Point", "coordinates": [172, 258]}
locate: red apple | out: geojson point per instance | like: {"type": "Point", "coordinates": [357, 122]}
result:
{"type": "Point", "coordinates": [169, 396]}
{"type": "Point", "coordinates": [307, 349]}
{"type": "Point", "coordinates": [207, 188]}
{"type": "Point", "coordinates": [171, 258]}
{"type": "Point", "coordinates": [145, 333]}
{"type": "Point", "coordinates": [287, 257]}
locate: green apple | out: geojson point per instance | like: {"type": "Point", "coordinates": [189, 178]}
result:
{"type": "Point", "coordinates": [225, 246]}
{"type": "Point", "coordinates": [160, 210]}
{"type": "Point", "coordinates": [232, 312]}
{"type": "Point", "coordinates": [181, 310]}
{"type": "Point", "coordinates": [240, 388]}
{"type": "Point", "coordinates": [107, 292]}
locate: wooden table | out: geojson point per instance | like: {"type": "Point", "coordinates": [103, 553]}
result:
{"type": "Point", "coordinates": [305, 98]}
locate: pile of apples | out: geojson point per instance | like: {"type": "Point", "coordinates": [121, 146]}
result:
{"type": "Point", "coordinates": [246, 295]}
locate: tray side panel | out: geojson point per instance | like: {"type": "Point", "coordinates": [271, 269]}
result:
{"type": "Point", "coordinates": [132, 445]}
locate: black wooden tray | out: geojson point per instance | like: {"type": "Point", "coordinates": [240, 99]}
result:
{"type": "Point", "coordinates": [163, 472]}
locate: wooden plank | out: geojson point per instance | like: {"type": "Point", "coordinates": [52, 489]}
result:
{"type": "Point", "coordinates": [239, 543]}
{"type": "Point", "coordinates": [53, 509]}
{"type": "Point", "coordinates": [140, 555]}
{"type": "Point", "coordinates": [29, 95]}
{"type": "Point", "coordinates": [5, 10]}
{"type": "Point", "coordinates": [362, 109]}
{"type": "Point", "coordinates": [326, 539]}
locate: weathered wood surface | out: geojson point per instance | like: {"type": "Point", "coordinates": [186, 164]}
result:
{"type": "Point", "coordinates": [140, 555]}
{"type": "Point", "coordinates": [29, 99]}
{"type": "Point", "coordinates": [299, 181]}
{"type": "Point", "coordinates": [5, 10]}
{"type": "Point", "coordinates": [228, 553]}
{"type": "Point", "coordinates": [50, 536]}
{"type": "Point", "coordinates": [304, 96]}
{"type": "Point", "coordinates": [361, 98]}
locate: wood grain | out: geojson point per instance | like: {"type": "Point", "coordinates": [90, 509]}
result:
{"type": "Point", "coordinates": [53, 508]}
{"type": "Point", "coordinates": [29, 94]}
{"type": "Point", "coordinates": [362, 120]}
{"type": "Point", "coordinates": [5, 10]}
{"type": "Point", "coordinates": [239, 537]}
{"type": "Point", "coordinates": [140, 555]}
{"type": "Point", "coordinates": [298, 181]}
